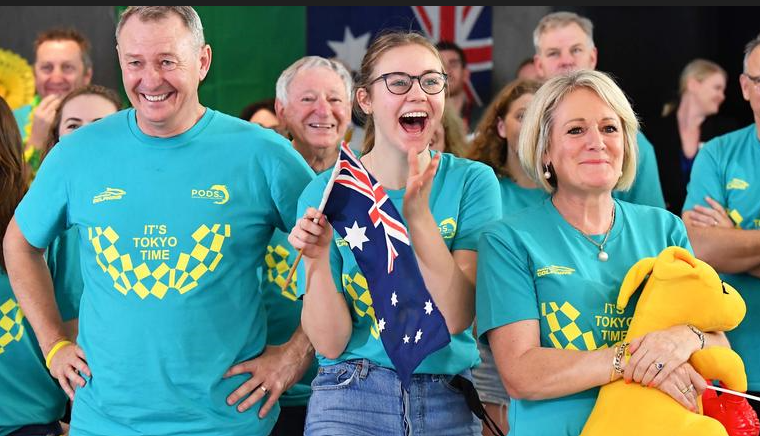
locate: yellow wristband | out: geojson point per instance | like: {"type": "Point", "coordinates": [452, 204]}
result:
{"type": "Point", "coordinates": [56, 348]}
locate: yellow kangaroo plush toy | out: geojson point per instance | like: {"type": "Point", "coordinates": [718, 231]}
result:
{"type": "Point", "coordinates": [680, 290]}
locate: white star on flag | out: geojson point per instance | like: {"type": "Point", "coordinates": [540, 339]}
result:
{"type": "Point", "coordinates": [406, 339]}
{"type": "Point", "coordinates": [418, 336]}
{"type": "Point", "coordinates": [355, 236]}
{"type": "Point", "coordinates": [394, 299]}
{"type": "Point", "coordinates": [428, 307]}
{"type": "Point", "coordinates": [381, 325]}
{"type": "Point", "coordinates": [351, 50]}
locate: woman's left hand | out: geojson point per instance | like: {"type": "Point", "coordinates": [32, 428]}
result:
{"type": "Point", "coordinates": [655, 355]}
{"type": "Point", "coordinates": [713, 216]}
{"type": "Point", "coordinates": [418, 184]}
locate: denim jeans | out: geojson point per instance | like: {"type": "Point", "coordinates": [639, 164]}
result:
{"type": "Point", "coordinates": [359, 398]}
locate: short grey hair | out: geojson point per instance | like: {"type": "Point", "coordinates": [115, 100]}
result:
{"type": "Point", "coordinates": [535, 133]}
{"type": "Point", "coordinates": [563, 19]}
{"type": "Point", "coordinates": [154, 13]}
{"type": "Point", "coordinates": [309, 62]}
{"type": "Point", "coordinates": [748, 49]}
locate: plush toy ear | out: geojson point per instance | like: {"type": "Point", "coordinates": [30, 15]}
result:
{"type": "Point", "coordinates": [677, 262]}
{"type": "Point", "coordinates": [633, 279]}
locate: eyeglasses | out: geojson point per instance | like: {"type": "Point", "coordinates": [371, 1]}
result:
{"type": "Point", "coordinates": [400, 83]}
{"type": "Point", "coordinates": [755, 79]}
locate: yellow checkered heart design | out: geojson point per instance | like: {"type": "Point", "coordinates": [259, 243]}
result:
{"type": "Point", "coordinates": [143, 281]}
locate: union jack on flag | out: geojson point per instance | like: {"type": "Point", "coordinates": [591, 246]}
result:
{"type": "Point", "coordinates": [410, 325]}
{"type": "Point", "coordinates": [457, 24]}
{"type": "Point", "coordinates": [344, 32]}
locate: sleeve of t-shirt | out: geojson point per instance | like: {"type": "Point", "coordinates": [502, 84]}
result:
{"type": "Point", "coordinates": [290, 174]}
{"type": "Point", "coordinates": [505, 288]}
{"type": "Point", "coordinates": [646, 188]}
{"type": "Point", "coordinates": [64, 264]}
{"type": "Point", "coordinates": [311, 197]}
{"type": "Point", "coordinates": [43, 212]}
{"type": "Point", "coordinates": [481, 205]}
{"type": "Point", "coordinates": [706, 178]}
{"type": "Point", "coordinates": [676, 232]}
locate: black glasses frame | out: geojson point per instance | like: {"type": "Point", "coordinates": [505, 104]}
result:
{"type": "Point", "coordinates": [384, 77]}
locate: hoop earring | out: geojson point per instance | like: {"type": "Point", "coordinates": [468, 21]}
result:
{"type": "Point", "coordinates": [547, 173]}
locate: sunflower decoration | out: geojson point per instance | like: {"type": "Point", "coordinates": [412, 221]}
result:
{"type": "Point", "coordinates": [16, 79]}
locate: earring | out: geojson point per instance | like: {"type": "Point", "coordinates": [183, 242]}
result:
{"type": "Point", "coordinates": [547, 173]}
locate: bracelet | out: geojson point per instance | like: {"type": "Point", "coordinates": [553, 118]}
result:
{"type": "Point", "coordinates": [56, 348]}
{"type": "Point", "coordinates": [617, 360]}
{"type": "Point", "coordinates": [699, 334]}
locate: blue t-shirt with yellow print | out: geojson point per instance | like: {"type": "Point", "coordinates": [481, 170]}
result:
{"type": "Point", "coordinates": [464, 198]}
{"type": "Point", "coordinates": [172, 231]}
{"type": "Point", "coordinates": [28, 394]}
{"type": "Point", "coordinates": [534, 265]}
{"type": "Point", "coordinates": [726, 169]}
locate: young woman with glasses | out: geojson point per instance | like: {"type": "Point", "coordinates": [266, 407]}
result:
{"type": "Point", "coordinates": [445, 203]}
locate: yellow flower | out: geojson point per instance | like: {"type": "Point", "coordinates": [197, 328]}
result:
{"type": "Point", "coordinates": [16, 79]}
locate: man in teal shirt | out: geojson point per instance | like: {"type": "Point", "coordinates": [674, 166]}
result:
{"type": "Point", "coordinates": [174, 203]}
{"type": "Point", "coordinates": [564, 42]}
{"type": "Point", "coordinates": [314, 105]}
{"type": "Point", "coordinates": [725, 233]}
{"type": "Point", "coordinates": [62, 63]}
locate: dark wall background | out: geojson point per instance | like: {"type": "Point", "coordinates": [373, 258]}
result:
{"type": "Point", "coordinates": [19, 26]}
{"type": "Point", "coordinates": [645, 48]}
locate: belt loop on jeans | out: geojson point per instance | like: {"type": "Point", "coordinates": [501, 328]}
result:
{"type": "Point", "coordinates": [363, 367]}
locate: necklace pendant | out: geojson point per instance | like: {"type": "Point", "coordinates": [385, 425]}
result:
{"type": "Point", "coordinates": [603, 256]}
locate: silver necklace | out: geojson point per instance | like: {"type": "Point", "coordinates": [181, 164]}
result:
{"type": "Point", "coordinates": [602, 256]}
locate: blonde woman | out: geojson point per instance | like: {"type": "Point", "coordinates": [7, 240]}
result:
{"type": "Point", "coordinates": [686, 124]}
{"type": "Point", "coordinates": [554, 269]}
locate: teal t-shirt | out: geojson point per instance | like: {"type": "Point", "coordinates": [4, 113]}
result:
{"type": "Point", "coordinates": [172, 231]}
{"type": "Point", "coordinates": [515, 198]}
{"type": "Point", "coordinates": [28, 394]}
{"type": "Point", "coordinates": [646, 188]}
{"type": "Point", "coordinates": [726, 170]}
{"type": "Point", "coordinates": [23, 118]}
{"type": "Point", "coordinates": [535, 266]}
{"type": "Point", "coordinates": [464, 198]}
{"type": "Point", "coordinates": [284, 310]}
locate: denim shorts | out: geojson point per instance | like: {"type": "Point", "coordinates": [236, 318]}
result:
{"type": "Point", "coordinates": [359, 398]}
{"type": "Point", "coordinates": [487, 379]}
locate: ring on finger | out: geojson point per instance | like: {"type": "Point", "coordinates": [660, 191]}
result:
{"type": "Point", "coordinates": [658, 366]}
{"type": "Point", "coordinates": [263, 388]}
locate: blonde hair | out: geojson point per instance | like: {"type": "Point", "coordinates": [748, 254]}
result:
{"type": "Point", "coordinates": [698, 69]}
{"type": "Point", "coordinates": [454, 134]}
{"type": "Point", "coordinates": [535, 134]}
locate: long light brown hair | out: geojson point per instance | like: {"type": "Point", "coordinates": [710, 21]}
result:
{"type": "Point", "coordinates": [13, 173]}
{"type": "Point", "coordinates": [487, 146]}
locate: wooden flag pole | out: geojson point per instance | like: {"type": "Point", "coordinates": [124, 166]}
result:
{"type": "Point", "coordinates": [325, 196]}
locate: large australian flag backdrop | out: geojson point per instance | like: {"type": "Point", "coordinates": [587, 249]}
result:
{"type": "Point", "coordinates": [411, 326]}
{"type": "Point", "coordinates": [344, 32]}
